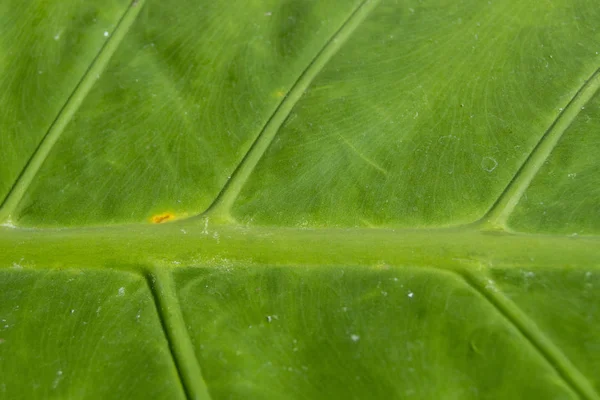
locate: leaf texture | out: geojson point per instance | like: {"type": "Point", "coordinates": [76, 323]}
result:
{"type": "Point", "coordinates": [299, 199]}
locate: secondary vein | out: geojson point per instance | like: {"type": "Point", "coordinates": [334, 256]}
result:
{"type": "Point", "coordinates": [221, 206]}
{"type": "Point", "coordinates": [69, 109]}
{"type": "Point", "coordinates": [162, 287]}
{"type": "Point", "coordinates": [497, 216]}
{"type": "Point", "coordinates": [542, 344]}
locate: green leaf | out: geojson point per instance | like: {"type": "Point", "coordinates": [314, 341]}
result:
{"type": "Point", "coordinates": [299, 199]}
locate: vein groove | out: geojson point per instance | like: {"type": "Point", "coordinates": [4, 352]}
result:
{"type": "Point", "coordinates": [225, 199]}
{"type": "Point", "coordinates": [162, 288]}
{"type": "Point", "coordinates": [496, 217]}
{"type": "Point", "coordinates": [69, 109]}
{"type": "Point", "coordinates": [526, 327]}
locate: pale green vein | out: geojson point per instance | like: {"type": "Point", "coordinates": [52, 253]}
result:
{"type": "Point", "coordinates": [362, 156]}
{"type": "Point", "coordinates": [532, 333]}
{"type": "Point", "coordinates": [224, 201]}
{"type": "Point", "coordinates": [497, 216]}
{"type": "Point", "coordinates": [191, 243]}
{"type": "Point", "coordinates": [68, 110]}
{"type": "Point", "coordinates": [182, 349]}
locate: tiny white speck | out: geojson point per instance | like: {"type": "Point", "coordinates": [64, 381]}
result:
{"type": "Point", "coordinates": [268, 14]}
{"type": "Point", "coordinates": [72, 311]}
{"type": "Point", "coordinates": [57, 380]}
{"type": "Point", "coordinates": [105, 33]}
{"type": "Point", "coordinates": [384, 293]}
{"type": "Point", "coordinates": [8, 224]}
{"type": "Point", "coordinates": [355, 338]}
{"type": "Point", "coordinates": [410, 294]}
{"type": "Point", "coordinates": [57, 36]}
{"type": "Point", "coordinates": [121, 291]}
{"type": "Point", "coordinates": [491, 285]}
{"type": "Point", "coordinates": [183, 231]}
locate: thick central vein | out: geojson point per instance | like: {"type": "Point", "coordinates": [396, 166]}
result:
{"type": "Point", "coordinates": [221, 207]}
{"type": "Point", "coordinates": [192, 243]}
{"type": "Point", "coordinates": [68, 110]}
{"type": "Point", "coordinates": [497, 216]}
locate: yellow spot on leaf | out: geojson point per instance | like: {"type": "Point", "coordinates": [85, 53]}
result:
{"type": "Point", "coordinates": [279, 93]}
{"type": "Point", "coordinates": [164, 217]}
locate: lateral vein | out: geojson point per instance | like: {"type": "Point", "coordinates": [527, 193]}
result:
{"type": "Point", "coordinates": [220, 208]}
{"type": "Point", "coordinates": [530, 332]}
{"type": "Point", "coordinates": [162, 287]}
{"type": "Point", "coordinates": [496, 217]}
{"type": "Point", "coordinates": [69, 109]}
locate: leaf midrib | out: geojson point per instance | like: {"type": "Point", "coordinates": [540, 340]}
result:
{"type": "Point", "coordinates": [191, 243]}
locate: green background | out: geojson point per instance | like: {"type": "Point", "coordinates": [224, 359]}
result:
{"type": "Point", "coordinates": [300, 199]}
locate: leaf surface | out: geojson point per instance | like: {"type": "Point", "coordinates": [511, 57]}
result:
{"type": "Point", "coordinates": [299, 199]}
